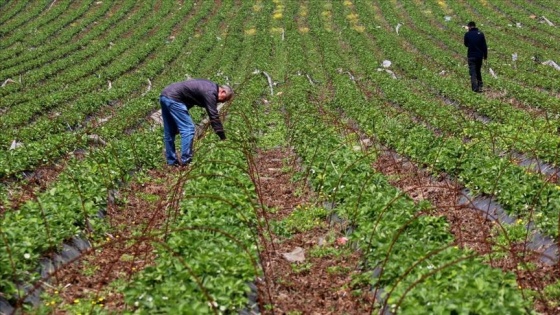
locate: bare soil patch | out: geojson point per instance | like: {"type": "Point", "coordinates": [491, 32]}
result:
{"type": "Point", "coordinates": [470, 228]}
{"type": "Point", "coordinates": [27, 189]}
{"type": "Point", "coordinates": [319, 285]}
{"type": "Point", "coordinates": [121, 254]}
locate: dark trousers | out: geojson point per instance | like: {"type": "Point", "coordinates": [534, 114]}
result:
{"type": "Point", "coordinates": [475, 64]}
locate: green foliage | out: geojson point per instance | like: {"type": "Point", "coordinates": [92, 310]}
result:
{"type": "Point", "coordinates": [300, 268]}
{"type": "Point", "coordinates": [87, 69]}
{"type": "Point", "coordinates": [552, 293]}
{"type": "Point", "coordinates": [506, 236]}
{"type": "Point", "coordinates": [328, 251]}
{"type": "Point", "coordinates": [301, 219]}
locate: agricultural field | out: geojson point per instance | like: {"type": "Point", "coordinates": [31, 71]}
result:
{"type": "Point", "coordinates": [360, 175]}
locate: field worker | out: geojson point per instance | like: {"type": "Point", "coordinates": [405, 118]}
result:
{"type": "Point", "coordinates": [477, 50]}
{"type": "Point", "coordinates": [176, 100]}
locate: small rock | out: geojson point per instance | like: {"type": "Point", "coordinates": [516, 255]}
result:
{"type": "Point", "coordinates": [552, 64]}
{"type": "Point", "coordinates": [297, 255]}
{"type": "Point", "coordinates": [96, 140]}
{"type": "Point", "coordinates": [366, 142]}
{"type": "Point", "coordinates": [157, 117]}
{"type": "Point", "coordinates": [15, 145]}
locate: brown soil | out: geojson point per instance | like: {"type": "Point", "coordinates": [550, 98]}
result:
{"type": "Point", "coordinates": [121, 254]}
{"type": "Point", "coordinates": [27, 189]}
{"type": "Point", "coordinates": [318, 285]}
{"type": "Point", "coordinates": [470, 228]}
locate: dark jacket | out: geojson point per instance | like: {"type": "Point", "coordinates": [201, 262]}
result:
{"type": "Point", "coordinates": [476, 42]}
{"type": "Point", "coordinates": [200, 92]}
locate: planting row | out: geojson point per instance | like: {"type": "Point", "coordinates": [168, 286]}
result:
{"type": "Point", "coordinates": [474, 162]}
{"type": "Point", "coordinates": [95, 197]}
{"type": "Point", "coordinates": [71, 125]}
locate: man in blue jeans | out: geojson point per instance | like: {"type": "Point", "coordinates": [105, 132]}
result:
{"type": "Point", "coordinates": [477, 50]}
{"type": "Point", "coordinates": [176, 100]}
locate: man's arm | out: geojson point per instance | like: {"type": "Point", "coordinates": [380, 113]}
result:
{"type": "Point", "coordinates": [484, 47]}
{"type": "Point", "coordinates": [214, 116]}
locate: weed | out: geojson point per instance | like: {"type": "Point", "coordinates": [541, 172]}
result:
{"type": "Point", "coordinates": [301, 268]}
{"type": "Point", "coordinates": [326, 251]}
{"type": "Point", "coordinates": [148, 197]}
{"type": "Point", "coordinates": [305, 218]}
{"type": "Point", "coordinates": [338, 270]}
{"type": "Point", "coordinates": [89, 269]}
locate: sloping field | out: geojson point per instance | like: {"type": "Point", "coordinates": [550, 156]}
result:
{"type": "Point", "coordinates": [360, 175]}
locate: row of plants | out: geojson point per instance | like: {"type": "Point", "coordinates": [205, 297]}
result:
{"type": "Point", "coordinates": [473, 163]}
{"type": "Point", "coordinates": [449, 35]}
{"type": "Point", "coordinates": [540, 8]}
{"type": "Point", "coordinates": [225, 284]}
{"type": "Point", "coordinates": [21, 13]}
{"type": "Point", "coordinates": [68, 206]}
{"type": "Point", "coordinates": [193, 251]}
{"type": "Point", "coordinates": [127, 120]}
{"type": "Point", "coordinates": [367, 118]}
{"type": "Point", "coordinates": [80, 27]}
{"type": "Point", "coordinates": [246, 124]}
{"type": "Point", "coordinates": [99, 190]}
{"type": "Point", "coordinates": [210, 253]}
{"type": "Point", "coordinates": [517, 79]}
{"type": "Point", "coordinates": [495, 109]}
{"type": "Point", "coordinates": [359, 105]}
{"type": "Point", "coordinates": [344, 177]}
{"type": "Point", "coordinates": [528, 21]}
{"type": "Point", "coordinates": [200, 259]}
{"type": "Point", "coordinates": [9, 12]}
{"type": "Point", "coordinates": [125, 117]}
{"type": "Point", "coordinates": [512, 231]}
{"type": "Point", "coordinates": [61, 15]}
{"type": "Point", "coordinates": [40, 151]}
{"type": "Point", "coordinates": [413, 256]}
{"type": "Point", "coordinates": [72, 42]}
{"type": "Point", "coordinates": [529, 81]}
{"type": "Point", "coordinates": [213, 247]}
{"type": "Point", "coordinates": [434, 277]}
{"type": "Point", "coordinates": [109, 66]}
{"type": "Point", "coordinates": [539, 42]}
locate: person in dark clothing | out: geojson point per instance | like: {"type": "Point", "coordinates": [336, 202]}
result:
{"type": "Point", "coordinates": [477, 51]}
{"type": "Point", "coordinates": [176, 100]}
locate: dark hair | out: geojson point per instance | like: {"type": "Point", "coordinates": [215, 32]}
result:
{"type": "Point", "coordinates": [471, 24]}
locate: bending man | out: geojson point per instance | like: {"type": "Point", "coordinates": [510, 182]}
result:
{"type": "Point", "coordinates": [176, 100]}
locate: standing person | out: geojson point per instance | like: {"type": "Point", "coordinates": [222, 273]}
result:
{"type": "Point", "coordinates": [176, 100]}
{"type": "Point", "coordinates": [477, 50]}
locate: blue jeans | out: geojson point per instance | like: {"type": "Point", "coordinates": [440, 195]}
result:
{"type": "Point", "coordinates": [176, 120]}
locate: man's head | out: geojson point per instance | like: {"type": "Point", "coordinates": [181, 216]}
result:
{"type": "Point", "coordinates": [225, 93]}
{"type": "Point", "coordinates": [471, 25]}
